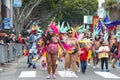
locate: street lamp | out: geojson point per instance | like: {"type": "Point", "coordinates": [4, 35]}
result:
{"type": "Point", "coordinates": [87, 26]}
{"type": "Point", "coordinates": [11, 13]}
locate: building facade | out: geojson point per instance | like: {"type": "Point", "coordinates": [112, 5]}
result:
{"type": "Point", "coordinates": [0, 15]}
{"type": "Point", "coordinates": [5, 9]}
{"type": "Point", "coordinates": [0, 10]}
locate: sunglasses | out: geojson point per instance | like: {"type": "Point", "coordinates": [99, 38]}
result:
{"type": "Point", "coordinates": [69, 32]}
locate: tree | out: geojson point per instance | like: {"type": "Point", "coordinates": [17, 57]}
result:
{"type": "Point", "coordinates": [21, 15]}
{"type": "Point", "coordinates": [42, 11]}
{"type": "Point", "coordinates": [69, 10]}
{"type": "Point", "coordinates": [114, 9]}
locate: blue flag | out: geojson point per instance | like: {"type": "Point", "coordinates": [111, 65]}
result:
{"type": "Point", "coordinates": [106, 20]}
{"type": "Point", "coordinates": [109, 24]}
{"type": "Point", "coordinates": [114, 23]}
{"type": "Point", "coordinates": [100, 26]}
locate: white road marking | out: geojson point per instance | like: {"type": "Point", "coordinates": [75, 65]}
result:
{"type": "Point", "coordinates": [107, 75]}
{"type": "Point", "coordinates": [27, 74]}
{"type": "Point", "coordinates": [66, 74]}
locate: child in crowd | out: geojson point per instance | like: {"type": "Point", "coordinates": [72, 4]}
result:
{"type": "Point", "coordinates": [83, 57]}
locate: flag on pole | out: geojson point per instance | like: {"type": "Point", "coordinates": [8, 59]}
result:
{"type": "Point", "coordinates": [114, 23]}
{"type": "Point", "coordinates": [111, 25]}
{"type": "Point", "coordinates": [99, 27]}
{"type": "Point", "coordinates": [106, 20]}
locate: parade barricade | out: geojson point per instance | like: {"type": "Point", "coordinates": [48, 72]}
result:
{"type": "Point", "coordinates": [3, 54]}
{"type": "Point", "coordinates": [10, 52]}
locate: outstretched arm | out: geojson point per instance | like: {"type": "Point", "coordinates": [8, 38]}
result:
{"type": "Point", "coordinates": [61, 45]}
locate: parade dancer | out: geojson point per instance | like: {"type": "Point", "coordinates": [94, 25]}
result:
{"type": "Point", "coordinates": [33, 56]}
{"type": "Point", "coordinates": [96, 43]}
{"type": "Point", "coordinates": [72, 54]}
{"type": "Point", "coordinates": [115, 52]}
{"type": "Point", "coordinates": [51, 45]}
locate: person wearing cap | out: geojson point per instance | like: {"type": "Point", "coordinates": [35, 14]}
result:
{"type": "Point", "coordinates": [103, 53]}
{"type": "Point", "coordinates": [32, 49]}
{"type": "Point", "coordinates": [19, 39]}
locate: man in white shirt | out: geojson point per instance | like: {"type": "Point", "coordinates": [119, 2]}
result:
{"type": "Point", "coordinates": [103, 55]}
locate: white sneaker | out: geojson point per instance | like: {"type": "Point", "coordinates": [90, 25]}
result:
{"type": "Point", "coordinates": [68, 69]}
{"type": "Point", "coordinates": [48, 77]}
{"type": "Point", "coordinates": [89, 64]}
{"type": "Point", "coordinates": [1, 70]}
{"type": "Point", "coordinates": [73, 74]}
{"type": "Point", "coordinates": [54, 76]}
{"type": "Point", "coordinates": [94, 66]}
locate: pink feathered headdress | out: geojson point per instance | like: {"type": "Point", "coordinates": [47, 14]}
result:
{"type": "Point", "coordinates": [53, 27]}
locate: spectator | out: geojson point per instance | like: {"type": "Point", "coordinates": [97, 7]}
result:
{"type": "Point", "coordinates": [1, 42]}
{"type": "Point", "coordinates": [83, 57]}
{"type": "Point", "coordinates": [19, 39]}
{"type": "Point", "coordinates": [103, 55]}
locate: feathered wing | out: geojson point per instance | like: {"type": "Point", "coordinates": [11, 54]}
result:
{"type": "Point", "coordinates": [106, 37]}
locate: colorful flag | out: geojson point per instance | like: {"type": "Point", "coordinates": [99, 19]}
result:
{"type": "Point", "coordinates": [114, 23]}
{"type": "Point", "coordinates": [111, 25]}
{"type": "Point", "coordinates": [99, 27]}
{"type": "Point", "coordinates": [106, 20]}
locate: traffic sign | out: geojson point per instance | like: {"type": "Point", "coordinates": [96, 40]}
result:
{"type": "Point", "coordinates": [7, 23]}
{"type": "Point", "coordinates": [17, 3]}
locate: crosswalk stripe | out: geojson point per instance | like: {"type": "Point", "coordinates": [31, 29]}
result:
{"type": "Point", "coordinates": [27, 74]}
{"type": "Point", "coordinates": [66, 74]}
{"type": "Point", "coordinates": [107, 75]}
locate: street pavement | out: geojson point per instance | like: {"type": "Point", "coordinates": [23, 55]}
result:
{"type": "Point", "coordinates": [18, 70]}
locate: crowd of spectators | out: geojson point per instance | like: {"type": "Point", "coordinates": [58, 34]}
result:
{"type": "Point", "coordinates": [11, 38]}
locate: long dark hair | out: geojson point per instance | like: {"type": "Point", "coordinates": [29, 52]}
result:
{"type": "Point", "coordinates": [48, 38]}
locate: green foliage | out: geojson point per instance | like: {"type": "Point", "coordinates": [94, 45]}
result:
{"type": "Point", "coordinates": [110, 3]}
{"type": "Point", "coordinates": [24, 33]}
{"type": "Point", "coordinates": [24, 2]}
{"type": "Point", "coordinates": [69, 10]}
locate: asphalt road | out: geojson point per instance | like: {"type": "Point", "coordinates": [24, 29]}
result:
{"type": "Point", "coordinates": [18, 70]}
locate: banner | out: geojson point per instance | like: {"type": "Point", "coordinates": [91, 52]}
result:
{"type": "Point", "coordinates": [101, 12]}
{"type": "Point", "coordinates": [88, 19]}
{"type": "Point", "coordinates": [95, 22]}
{"type": "Point", "coordinates": [7, 23]}
{"type": "Point", "coordinates": [85, 19]}
{"type": "Point", "coordinates": [17, 3]}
